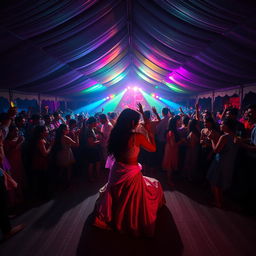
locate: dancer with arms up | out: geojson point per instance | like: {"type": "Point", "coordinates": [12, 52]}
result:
{"type": "Point", "coordinates": [129, 201]}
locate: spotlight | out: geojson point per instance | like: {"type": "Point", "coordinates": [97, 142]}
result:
{"type": "Point", "coordinates": [153, 95]}
{"type": "Point", "coordinates": [157, 96]}
{"type": "Point", "coordinates": [135, 88]}
{"type": "Point", "coordinates": [156, 87]}
{"type": "Point", "coordinates": [112, 96]}
{"type": "Point", "coordinates": [107, 98]}
{"type": "Point", "coordinates": [128, 88]}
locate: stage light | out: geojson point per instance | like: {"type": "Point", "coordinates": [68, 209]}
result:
{"type": "Point", "coordinates": [153, 95]}
{"type": "Point", "coordinates": [107, 98]}
{"type": "Point", "coordinates": [135, 88]}
{"type": "Point", "coordinates": [156, 87]}
{"type": "Point", "coordinates": [128, 87]}
{"type": "Point", "coordinates": [112, 96]}
{"type": "Point", "coordinates": [157, 96]}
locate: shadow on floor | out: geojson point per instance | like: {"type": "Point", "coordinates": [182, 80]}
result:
{"type": "Point", "coordinates": [76, 194]}
{"type": "Point", "coordinates": [167, 241]}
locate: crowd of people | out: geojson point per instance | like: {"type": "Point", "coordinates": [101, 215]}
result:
{"type": "Point", "coordinates": [41, 153]}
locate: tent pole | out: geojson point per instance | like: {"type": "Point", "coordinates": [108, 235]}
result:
{"type": "Point", "coordinates": [10, 95]}
{"type": "Point", "coordinates": [212, 105]}
{"type": "Point", "coordinates": [39, 102]}
{"type": "Point", "coordinates": [241, 95]}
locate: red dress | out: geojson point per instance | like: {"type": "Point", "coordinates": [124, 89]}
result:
{"type": "Point", "coordinates": [171, 153]}
{"type": "Point", "coordinates": [13, 154]}
{"type": "Point", "coordinates": [129, 201]}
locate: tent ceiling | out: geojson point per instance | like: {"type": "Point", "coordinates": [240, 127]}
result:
{"type": "Point", "coordinates": [64, 47]}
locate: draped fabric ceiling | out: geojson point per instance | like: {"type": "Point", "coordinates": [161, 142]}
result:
{"type": "Point", "coordinates": [78, 47]}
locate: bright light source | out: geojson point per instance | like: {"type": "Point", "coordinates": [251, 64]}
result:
{"type": "Point", "coordinates": [135, 88]}
{"type": "Point", "coordinates": [153, 95]}
{"type": "Point", "coordinates": [157, 96]}
{"type": "Point", "coordinates": [108, 98]}
{"type": "Point", "coordinates": [128, 88]}
{"type": "Point", "coordinates": [112, 96]}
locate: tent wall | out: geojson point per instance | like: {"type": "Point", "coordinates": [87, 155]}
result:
{"type": "Point", "coordinates": [35, 101]}
{"type": "Point", "coordinates": [218, 98]}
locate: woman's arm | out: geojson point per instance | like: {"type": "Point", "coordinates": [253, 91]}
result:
{"type": "Point", "coordinates": [217, 147]}
{"type": "Point", "coordinates": [156, 114]}
{"type": "Point", "coordinates": [148, 145]}
{"type": "Point", "coordinates": [72, 143]}
{"type": "Point", "coordinates": [42, 148]}
{"type": "Point", "coordinates": [202, 137]}
{"type": "Point", "coordinates": [197, 112]}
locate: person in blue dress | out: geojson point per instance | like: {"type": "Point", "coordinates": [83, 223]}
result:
{"type": "Point", "coordinates": [220, 173]}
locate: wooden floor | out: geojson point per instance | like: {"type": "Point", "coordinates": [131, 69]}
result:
{"type": "Point", "coordinates": [186, 226]}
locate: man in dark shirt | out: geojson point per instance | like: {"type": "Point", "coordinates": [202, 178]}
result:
{"type": "Point", "coordinates": [232, 113]}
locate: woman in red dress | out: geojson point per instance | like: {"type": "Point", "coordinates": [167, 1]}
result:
{"type": "Point", "coordinates": [171, 152]}
{"type": "Point", "coordinates": [12, 149]}
{"type": "Point", "coordinates": [129, 201]}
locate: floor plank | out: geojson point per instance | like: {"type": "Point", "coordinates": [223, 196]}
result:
{"type": "Point", "coordinates": [186, 226]}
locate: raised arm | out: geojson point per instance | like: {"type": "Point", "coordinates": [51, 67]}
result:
{"type": "Point", "coordinates": [148, 145]}
{"type": "Point", "coordinates": [197, 112]}
{"type": "Point", "coordinates": [72, 143]}
{"type": "Point", "coordinates": [156, 114]}
{"type": "Point", "coordinates": [140, 109]}
{"type": "Point", "coordinates": [223, 114]}
{"type": "Point", "coordinates": [181, 111]}
{"type": "Point", "coordinates": [218, 146]}
{"type": "Point", "coordinates": [42, 148]}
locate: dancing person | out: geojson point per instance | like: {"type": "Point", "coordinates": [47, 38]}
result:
{"type": "Point", "coordinates": [207, 154]}
{"type": "Point", "coordinates": [171, 152]}
{"type": "Point", "coordinates": [20, 122]}
{"type": "Point", "coordinates": [38, 153]}
{"type": "Point", "coordinates": [160, 134]}
{"type": "Point", "coordinates": [193, 151]}
{"type": "Point", "coordinates": [12, 149]}
{"type": "Point", "coordinates": [232, 113]}
{"type": "Point", "coordinates": [92, 148]}
{"type": "Point", "coordinates": [62, 152]}
{"type": "Point", "coordinates": [105, 130]}
{"type": "Point", "coordinates": [183, 133]}
{"type": "Point", "coordinates": [57, 120]}
{"type": "Point", "coordinates": [5, 224]}
{"type": "Point", "coordinates": [148, 159]}
{"type": "Point", "coordinates": [220, 173]}
{"type": "Point", "coordinates": [129, 201]}
{"type": "Point", "coordinates": [112, 118]}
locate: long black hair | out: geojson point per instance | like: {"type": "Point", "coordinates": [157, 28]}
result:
{"type": "Point", "coordinates": [122, 131]}
{"type": "Point", "coordinates": [172, 126]}
{"type": "Point", "coordinates": [34, 139]}
{"type": "Point", "coordinates": [57, 146]}
{"type": "Point", "coordinates": [192, 127]}
{"type": "Point", "coordinates": [231, 124]}
{"type": "Point", "coordinates": [214, 125]}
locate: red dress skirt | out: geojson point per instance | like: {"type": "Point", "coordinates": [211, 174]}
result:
{"type": "Point", "coordinates": [129, 201]}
